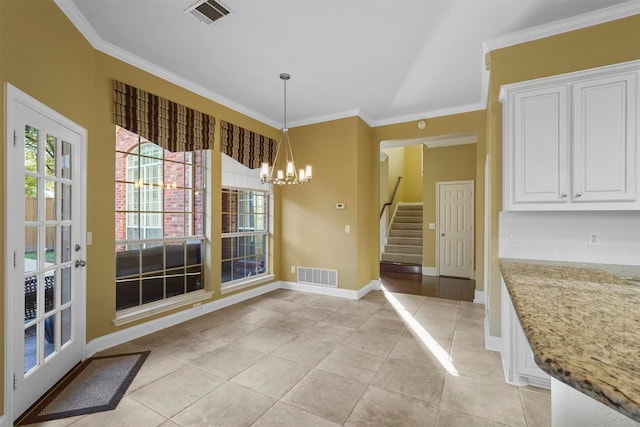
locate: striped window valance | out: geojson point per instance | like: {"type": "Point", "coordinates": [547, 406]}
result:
{"type": "Point", "coordinates": [170, 125]}
{"type": "Point", "coordinates": [245, 146]}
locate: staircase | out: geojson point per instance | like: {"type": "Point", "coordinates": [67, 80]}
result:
{"type": "Point", "coordinates": [404, 244]}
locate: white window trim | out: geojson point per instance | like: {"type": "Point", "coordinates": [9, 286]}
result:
{"type": "Point", "coordinates": [234, 285]}
{"type": "Point", "coordinates": [150, 309]}
{"type": "Point", "coordinates": [143, 311]}
{"type": "Point", "coordinates": [229, 287]}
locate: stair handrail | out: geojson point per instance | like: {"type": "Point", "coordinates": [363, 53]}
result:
{"type": "Point", "coordinates": [393, 196]}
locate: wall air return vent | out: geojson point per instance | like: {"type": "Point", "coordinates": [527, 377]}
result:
{"type": "Point", "coordinates": [208, 11]}
{"type": "Point", "coordinates": [318, 276]}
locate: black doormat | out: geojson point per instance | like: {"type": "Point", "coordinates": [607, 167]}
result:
{"type": "Point", "coordinates": [95, 385]}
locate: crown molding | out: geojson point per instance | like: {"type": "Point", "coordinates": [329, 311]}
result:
{"type": "Point", "coordinates": [577, 22]}
{"type": "Point", "coordinates": [451, 139]}
{"type": "Point", "coordinates": [436, 141]}
{"type": "Point", "coordinates": [329, 117]}
{"type": "Point", "coordinates": [428, 114]}
{"type": "Point", "coordinates": [81, 23]}
{"type": "Point", "coordinates": [585, 20]}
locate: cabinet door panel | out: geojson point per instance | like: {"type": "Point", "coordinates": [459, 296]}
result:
{"type": "Point", "coordinates": [604, 141]}
{"type": "Point", "coordinates": [540, 146]}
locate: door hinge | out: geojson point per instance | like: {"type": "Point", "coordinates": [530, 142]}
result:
{"type": "Point", "coordinates": [15, 137]}
{"type": "Point", "coordinates": [14, 259]}
{"type": "Point", "coordinates": [15, 381]}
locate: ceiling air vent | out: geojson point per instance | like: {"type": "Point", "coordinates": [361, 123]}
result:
{"type": "Point", "coordinates": [208, 11]}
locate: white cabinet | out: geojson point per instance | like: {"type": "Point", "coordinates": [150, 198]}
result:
{"type": "Point", "coordinates": [518, 363]}
{"type": "Point", "coordinates": [570, 142]}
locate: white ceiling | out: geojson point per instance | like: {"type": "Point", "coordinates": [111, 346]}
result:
{"type": "Point", "coordinates": [389, 60]}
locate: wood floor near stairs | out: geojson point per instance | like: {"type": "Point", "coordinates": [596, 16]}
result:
{"type": "Point", "coordinates": [432, 286]}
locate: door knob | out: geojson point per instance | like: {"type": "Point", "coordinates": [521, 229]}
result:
{"type": "Point", "coordinates": [442, 234]}
{"type": "Point", "coordinates": [578, 194]}
{"type": "Point", "coordinates": [564, 195]}
{"type": "Point", "coordinates": [77, 247]}
{"type": "Point", "coordinates": [80, 263]}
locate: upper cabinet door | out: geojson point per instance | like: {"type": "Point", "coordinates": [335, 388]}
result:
{"type": "Point", "coordinates": [604, 140]}
{"type": "Point", "coordinates": [570, 142]}
{"type": "Point", "coordinates": [540, 146]}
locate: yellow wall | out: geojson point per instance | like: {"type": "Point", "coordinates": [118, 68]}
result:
{"type": "Point", "coordinates": [445, 164]}
{"type": "Point", "coordinates": [456, 163]}
{"type": "Point", "coordinates": [403, 162]}
{"type": "Point", "coordinates": [396, 169]}
{"type": "Point", "coordinates": [43, 55]}
{"type": "Point", "coordinates": [605, 44]}
{"type": "Point", "coordinates": [367, 225]}
{"type": "Point", "coordinates": [412, 181]}
{"type": "Point", "coordinates": [314, 230]}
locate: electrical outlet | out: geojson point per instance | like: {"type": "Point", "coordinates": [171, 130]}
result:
{"type": "Point", "coordinates": [293, 269]}
{"type": "Point", "coordinates": [197, 306]}
{"type": "Point", "coordinates": [512, 236]}
{"type": "Point", "coordinates": [593, 238]}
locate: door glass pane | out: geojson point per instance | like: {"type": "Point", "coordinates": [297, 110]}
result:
{"type": "Point", "coordinates": [50, 248]}
{"type": "Point", "coordinates": [50, 156]}
{"type": "Point", "coordinates": [30, 149]}
{"type": "Point", "coordinates": [65, 325]}
{"type": "Point", "coordinates": [65, 244]}
{"type": "Point", "coordinates": [30, 248]}
{"type": "Point", "coordinates": [30, 347]}
{"type": "Point", "coordinates": [50, 200]}
{"type": "Point", "coordinates": [65, 285]}
{"type": "Point", "coordinates": [66, 202]}
{"type": "Point", "coordinates": [49, 291]}
{"type": "Point", "coordinates": [30, 198]}
{"type": "Point", "coordinates": [49, 335]}
{"type": "Point", "coordinates": [65, 161]}
{"type": "Point", "coordinates": [30, 298]}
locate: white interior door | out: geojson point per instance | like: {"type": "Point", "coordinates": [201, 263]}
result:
{"type": "Point", "coordinates": [455, 225]}
{"type": "Point", "coordinates": [45, 239]}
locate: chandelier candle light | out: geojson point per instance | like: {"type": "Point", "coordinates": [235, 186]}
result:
{"type": "Point", "coordinates": [290, 175]}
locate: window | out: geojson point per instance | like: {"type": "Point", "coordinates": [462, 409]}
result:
{"type": "Point", "coordinates": [159, 221]}
{"type": "Point", "coordinates": [245, 230]}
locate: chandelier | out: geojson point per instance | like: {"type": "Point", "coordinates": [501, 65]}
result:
{"type": "Point", "coordinates": [270, 174]}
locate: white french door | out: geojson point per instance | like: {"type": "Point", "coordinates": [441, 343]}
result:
{"type": "Point", "coordinates": [455, 223]}
{"type": "Point", "coordinates": [45, 247]}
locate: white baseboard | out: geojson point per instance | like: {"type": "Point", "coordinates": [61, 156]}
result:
{"type": "Point", "coordinates": [107, 341]}
{"type": "Point", "coordinates": [429, 271]}
{"type": "Point", "coordinates": [3, 421]}
{"type": "Point", "coordinates": [373, 285]}
{"type": "Point", "coordinates": [491, 342]}
{"type": "Point", "coordinates": [479, 297]}
{"type": "Point", "coordinates": [333, 292]}
{"type": "Point", "coordinates": [116, 338]}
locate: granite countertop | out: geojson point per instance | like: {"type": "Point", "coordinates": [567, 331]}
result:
{"type": "Point", "coordinates": [583, 325]}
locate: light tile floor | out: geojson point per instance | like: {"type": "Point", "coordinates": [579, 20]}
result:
{"type": "Point", "coordinates": [289, 358]}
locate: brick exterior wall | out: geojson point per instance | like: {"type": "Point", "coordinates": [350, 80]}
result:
{"type": "Point", "coordinates": [176, 198]}
{"type": "Point", "coordinates": [229, 219]}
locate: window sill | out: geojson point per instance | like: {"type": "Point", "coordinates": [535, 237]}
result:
{"type": "Point", "coordinates": [246, 283]}
{"type": "Point", "coordinates": [137, 313]}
